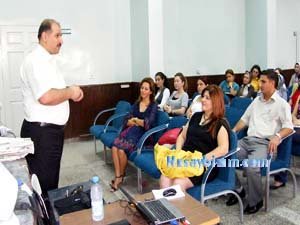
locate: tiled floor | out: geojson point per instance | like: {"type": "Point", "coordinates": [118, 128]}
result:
{"type": "Point", "coordinates": [79, 163]}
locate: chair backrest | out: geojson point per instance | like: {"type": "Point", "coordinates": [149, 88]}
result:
{"type": "Point", "coordinates": [227, 173]}
{"type": "Point", "coordinates": [240, 103]}
{"type": "Point", "coordinates": [161, 118]}
{"type": "Point", "coordinates": [121, 107]}
{"type": "Point", "coordinates": [177, 121]}
{"type": "Point", "coordinates": [226, 100]}
{"type": "Point", "coordinates": [233, 115]}
{"type": "Point", "coordinates": [284, 151]}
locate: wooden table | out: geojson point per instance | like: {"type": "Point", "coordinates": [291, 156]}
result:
{"type": "Point", "coordinates": [194, 211]}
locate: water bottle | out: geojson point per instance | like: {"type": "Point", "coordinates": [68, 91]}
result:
{"type": "Point", "coordinates": [97, 199]}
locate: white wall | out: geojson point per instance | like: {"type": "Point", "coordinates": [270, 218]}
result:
{"type": "Point", "coordinates": [288, 21]}
{"type": "Point", "coordinates": [204, 35]}
{"type": "Point", "coordinates": [256, 33]}
{"type": "Point", "coordinates": [139, 39]}
{"type": "Point", "coordinates": [100, 45]}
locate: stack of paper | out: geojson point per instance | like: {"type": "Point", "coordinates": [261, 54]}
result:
{"type": "Point", "coordinates": [15, 148]}
{"type": "Point", "coordinates": [159, 193]}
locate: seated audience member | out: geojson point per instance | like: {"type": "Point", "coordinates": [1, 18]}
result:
{"type": "Point", "coordinates": [255, 74]}
{"type": "Point", "coordinates": [246, 90]}
{"type": "Point", "coordinates": [296, 76]}
{"type": "Point", "coordinates": [228, 86]}
{"type": "Point", "coordinates": [295, 95]}
{"type": "Point", "coordinates": [141, 118]}
{"type": "Point", "coordinates": [282, 90]}
{"type": "Point", "coordinates": [268, 119]}
{"type": "Point", "coordinates": [179, 99]}
{"type": "Point", "coordinates": [196, 105]}
{"type": "Point", "coordinates": [296, 113]}
{"type": "Point", "coordinates": [163, 92]}
{"type": "Point", "coordinates": [207, 132]}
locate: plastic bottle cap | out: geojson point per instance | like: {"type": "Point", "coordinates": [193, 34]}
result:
{"type": "Point", "coordinates": [174, 222]}
{"type": "Point", "coordinates": [95, 179]}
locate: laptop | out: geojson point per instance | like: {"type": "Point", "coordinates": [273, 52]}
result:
{"type": "Point", "coordinates": [159, 211]}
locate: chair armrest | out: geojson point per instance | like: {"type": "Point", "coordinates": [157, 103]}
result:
{"type": "Point", "coordinates": [147, 134]}
{"type": "Point", "coordinates": [102, 112]}
{"type": "Point", "coordinates": [113, 117]}
{"type": "Point", "coordinates": [208, 171]}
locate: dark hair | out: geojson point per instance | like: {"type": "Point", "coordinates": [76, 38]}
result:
{"type": "Point", "coordinates": [204, 79]}
{"type": "Point", "coordinates": [279, 69]}
{"type": "Point", "coordinates": [183, 79]}
{"type": "Point", "coordinates": [164, 78]}
{"type": "Point", "coordinates": [256, 67]}
{"type": "Point", "coordinates": [46, 26]}
{"type": "Point", "coordinates": [151, 83]}
{"type": "Point", "coordinates": [217, 99]}
{"type": "Point", "coordinates": [296, 64]}
{"type": "Point", "coordinates": [230, 71]}
{"type": "Point", "coordinates": [250, 75]}
{"type": "Point", "coordinates": [271, 75]}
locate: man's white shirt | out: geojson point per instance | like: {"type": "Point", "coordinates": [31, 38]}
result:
{"type": "Point", "coordinates": [39, 74]}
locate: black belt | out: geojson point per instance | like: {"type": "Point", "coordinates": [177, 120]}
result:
{"type": "Point", "coordinates": [50, 125]}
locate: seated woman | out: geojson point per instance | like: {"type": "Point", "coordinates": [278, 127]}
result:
{"type": "Point", "coordinates": [246, 90]}
{"type": "Point", "coordinates": [281, 87]}
{"type": "Point", "coordinates": [207, 132]}
{"type": "Point", "coordinates": [255, 74]}
{"type": "Point", "coordinates": [196, 105]}
{"type": "Point", "coordinates": [228, 86]}
{"type": "Point", "coordinates": [295, 95]}
{"type": "Point", "coordinates": [296, 113]}
{"type": "Point", "coordinates": [179, 99]}
{"type": "Point", "coordinates": [141, 119]}
{"type": "Point", "coordinates": [163, 92]}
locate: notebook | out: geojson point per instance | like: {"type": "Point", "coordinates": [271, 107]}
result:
{"type": "Point", "coordinates": [157, 211]}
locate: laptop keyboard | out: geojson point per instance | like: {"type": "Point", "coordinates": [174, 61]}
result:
{"type": "Point", "coordinates": [159, 210]}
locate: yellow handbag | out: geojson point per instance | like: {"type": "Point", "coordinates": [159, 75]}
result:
{"type": "Point", "coordinates": [178, 163]}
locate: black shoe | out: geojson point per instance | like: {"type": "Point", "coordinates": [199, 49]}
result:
{"type": "Point", "coordinates": [254, 209]}
{"type": "Point", "coordinates": [274, 187]}
{"type": "Point", "coordinates": [233, 199]}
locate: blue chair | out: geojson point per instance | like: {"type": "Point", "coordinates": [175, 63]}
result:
{"type": "Point", "coordinates": [296, 143]}
{"type": "Point", "coordinates": [240, 103]}
{"type": "Point", "coordinates": [144, 159]}
{"type": "Point", "coordinates": [280, 164]}
{"type": "Point", "coordinates": [113, 124]}
{"type": "Point", "coordinates": [224, 183]}
{"type": "Point", "coordinates": [233, 115]}
{"type": "Point", "coordinates": [226, 100]}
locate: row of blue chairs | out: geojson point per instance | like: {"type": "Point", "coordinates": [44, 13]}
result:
{"type": "Point", "coordinates": [143, 158]}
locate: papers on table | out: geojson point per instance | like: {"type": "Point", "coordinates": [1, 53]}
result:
{"type": "Point", "coordinates": [15, 148]}
{"type": "Point", "coordinates": [159, 193]}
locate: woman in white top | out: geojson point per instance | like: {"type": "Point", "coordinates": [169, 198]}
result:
{"type": "Point", "coordinates": [163, 92]}
{"type": "Point", "coordinates": [196, 105]}
{"type": "Point", "coordinates": [178, 101]}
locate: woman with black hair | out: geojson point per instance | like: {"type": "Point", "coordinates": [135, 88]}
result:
{"type": "Point", "coordinates": [163, 92]}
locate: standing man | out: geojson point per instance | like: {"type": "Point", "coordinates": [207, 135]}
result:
{"type": "Point", "coordinates": [46, 105]}
{"type": "Point", "coordinates": [269, 120]}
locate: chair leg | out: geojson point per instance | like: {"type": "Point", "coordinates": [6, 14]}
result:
{"type": "Point", "coordinates": [267, 192]}
{"type": "Point", "coordinates": [95, 145]}
{"type": "Point", "coordinates": [105, 154]}
{"type": "Point", "coordinates": [294, 181]}
{"type": "Point", "coordinates": [140, 180]}
{"type": "Point", "coordinates": [241, 206]}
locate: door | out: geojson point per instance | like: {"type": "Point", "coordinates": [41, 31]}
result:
{"type": "Point", "coordinates": [15, 43]}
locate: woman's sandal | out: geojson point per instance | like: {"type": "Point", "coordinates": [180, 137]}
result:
{"type": "Point", "coordinates": [113, 188]}
{"type": "Point", "coordinates": [123, 178]}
